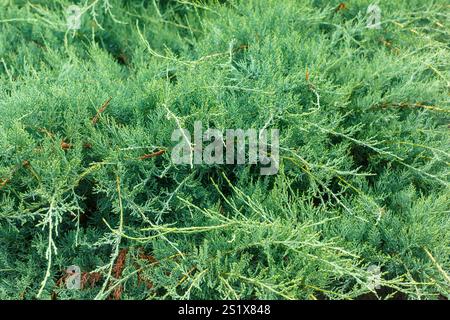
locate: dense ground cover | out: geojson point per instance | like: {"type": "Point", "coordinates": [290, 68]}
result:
{"type": "Point", "coordinates": [364, 150]}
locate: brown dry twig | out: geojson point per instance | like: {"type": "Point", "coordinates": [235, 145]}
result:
{"type": "Point", "coordinates": [5, 181]}
{"type": "Point", "coordinates": [117, 270]}
{"type": "Point", "coordinates": [101, 110]}
{"type": "Point", "coordinates": [152, 155]}
{"type": "Point", "coordinates": [341, 6]}
{"type": "Point", "coordinates": [65, 145]}
{"type": "Point", "coordinates": [152, 261]}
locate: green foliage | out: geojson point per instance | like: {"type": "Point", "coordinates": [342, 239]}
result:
{"type": "Point", "coordinates": [364, 149]}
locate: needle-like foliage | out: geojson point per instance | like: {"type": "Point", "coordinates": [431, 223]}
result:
{"type": "Point", "coordinates": [86, 176]}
